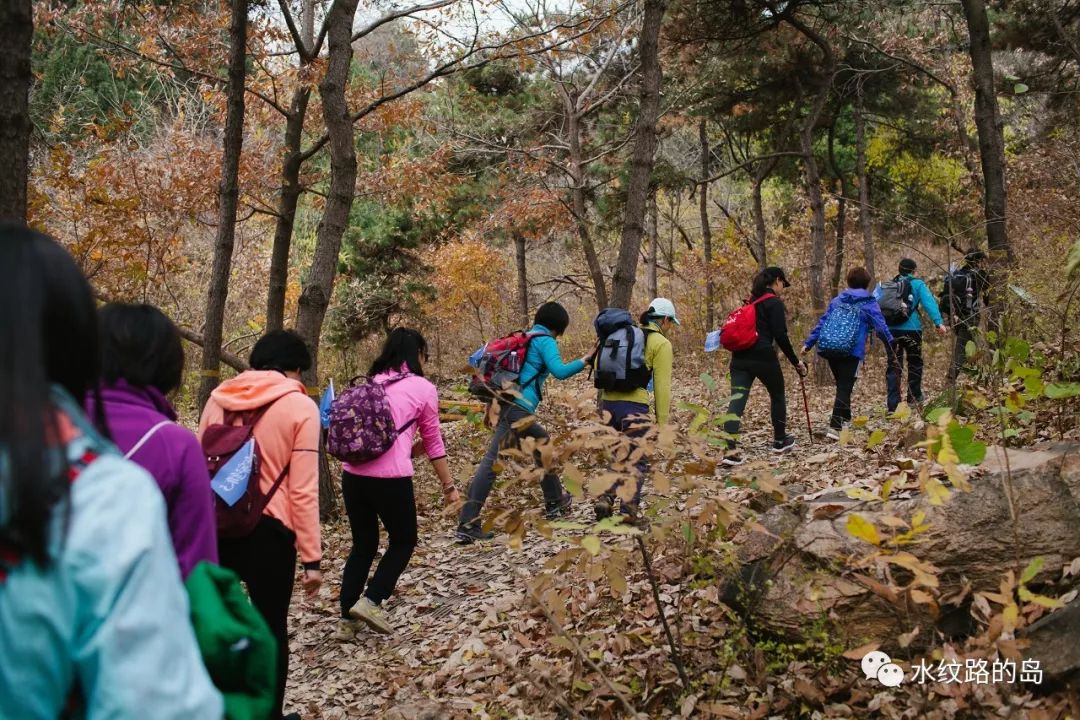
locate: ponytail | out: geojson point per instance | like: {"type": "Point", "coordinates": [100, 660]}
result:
{"type": "Point", "coordinates": [760, 284]}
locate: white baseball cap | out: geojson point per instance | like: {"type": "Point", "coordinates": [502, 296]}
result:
{"type": "Point", "coordinates": [662, 307]}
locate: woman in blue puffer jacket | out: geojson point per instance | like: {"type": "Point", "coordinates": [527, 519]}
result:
{"type": "Point", "coordinates": [834, 342]}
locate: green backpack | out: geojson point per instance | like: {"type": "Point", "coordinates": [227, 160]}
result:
{"type": "Point", "coordinates": [237, 647]}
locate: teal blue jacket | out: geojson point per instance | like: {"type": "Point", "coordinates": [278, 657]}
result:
{"type": "Point", "coordinates": [923, 300]}
{"type": "Point", "coordinates": [541, 360]}
{"type": "Point", "coordinates": [109, 615]}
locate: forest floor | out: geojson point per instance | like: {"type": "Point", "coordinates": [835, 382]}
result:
{"type": "Point", "coordinates": [471, 639]}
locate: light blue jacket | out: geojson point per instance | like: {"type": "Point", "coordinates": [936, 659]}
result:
{"type": "Point", "coordinates": [871, 315]}
{"type": "Point", "coordinates": [541, 360]}
{"type": "Point", "coordinates": [923, 300]}
{"type": "Point", "coordinates": [109, 615]}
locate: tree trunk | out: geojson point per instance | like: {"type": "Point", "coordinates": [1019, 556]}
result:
{"type": "Point", "coordinates": [706, 231]}
{"type": "Point", "coordinates": [228, 199]}
{"type": "Point", "coordinates": [16, 34]}
{"type": "Point", "coordinates": [290, 197]}
{"type": "Point", "coordinates": [641, 164]}
{"type": "Point", "coordinates": [817, 207]}
{"type": "Point", "coordinates": [838, 258]}
{"type": "Point", "coordinates": [577, 202]}
{"type": "Point", "coordinates": [988, 124]}
{"type": "Point", "coordinates": [652, 229]}
{"type": "Point", "coordinates": [319, 284]}
{"type": "Point", "coordinates": [864, 187]}
{"type": "Point", "coordinates": [522, 278]}
{"type": "Point", "coordinates": [759, 223]}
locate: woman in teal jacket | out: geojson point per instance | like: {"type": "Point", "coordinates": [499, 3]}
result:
{"type": "Point", "coordinates": [93, 617]}
{"type": "Point", "coordinates": [517, 420]}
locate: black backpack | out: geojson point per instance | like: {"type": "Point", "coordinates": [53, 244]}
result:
{"type": "Point", "coordinates": [958, 293]}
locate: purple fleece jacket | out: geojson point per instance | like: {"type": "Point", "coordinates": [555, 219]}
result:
{"type": "Point", "coordinates": [175, 459]}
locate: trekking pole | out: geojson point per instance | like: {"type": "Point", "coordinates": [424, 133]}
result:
{"type": "Point", "coordinates": [806, 407]}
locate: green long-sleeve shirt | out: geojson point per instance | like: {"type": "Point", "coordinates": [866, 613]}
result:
{"type": "Point", "coordinates": [659, 358]}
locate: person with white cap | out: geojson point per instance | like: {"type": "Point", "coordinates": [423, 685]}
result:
{"type": "Point", "coordinates": [628, 410]}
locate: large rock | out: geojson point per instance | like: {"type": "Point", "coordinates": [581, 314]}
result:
{"type": "Point", "coordinates": [797, 559]}
{"type": "Point", "coordinates": [1055, 643]}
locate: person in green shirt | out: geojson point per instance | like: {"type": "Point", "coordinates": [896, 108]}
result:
{"type": "Point", "coordinates": [628, 412]}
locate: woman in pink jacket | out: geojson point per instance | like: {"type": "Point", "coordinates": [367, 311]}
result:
{"type": "Point", "coordinates": [382, 489]}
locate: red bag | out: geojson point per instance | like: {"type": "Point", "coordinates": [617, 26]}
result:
{"type": "Point", "coordinates": [740, 329]}
{"type": "Point", "coordinates": [501, 364]}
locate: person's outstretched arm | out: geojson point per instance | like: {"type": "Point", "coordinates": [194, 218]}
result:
{"type": "Point", "coordinates": [778, 324]}
{"type": "Point", "coordinates": [553, 362]}
{"type": "Point", "coordinates": [881, 328]}
{"type": "Point", "coordinates": [929, 305]}
{"type": "Point", "coordinates": [811, 339]}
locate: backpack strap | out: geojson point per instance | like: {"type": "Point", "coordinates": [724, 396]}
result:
{"type": "Point", "coordinates": [274, 487]}
{"type": "Point", "coordinates": [142, 441]}
{"type": "Point", "coordinates": [529, 336]}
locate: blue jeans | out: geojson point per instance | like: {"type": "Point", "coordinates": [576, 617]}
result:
{"type": "Point", "coordinates": [506, 435]}
{"type": "Point", "coordinates": [631, 419]}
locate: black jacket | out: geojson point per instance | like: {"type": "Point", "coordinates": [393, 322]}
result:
{"type": "Point", "coordinates": [772, 329]}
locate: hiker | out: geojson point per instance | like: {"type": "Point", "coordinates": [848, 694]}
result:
{"type": "Point", "coordinates": [286, 433]}
{"type": "Point", "coordinates": [517, 420]}
{"type": "Point", "coordinates": [628, 409]}
{"type": "Point", "coordinates": [900, 301]}
{"type": "Point", "coordinates": [761, 362]}
{"type": "Point", "coordinates": [93, 614]}
{"type": "Point", "coordinates": [142, 362]}
{"type": "Point", "coordinates": [963, 294]}
{"type": "Point", "coordinates": [840, 335]}
{"type": "Point", "coordinates": [382, 489]}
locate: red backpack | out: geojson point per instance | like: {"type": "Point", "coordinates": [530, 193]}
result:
{"type": "Point", "coordinates": [500, 366]}
{"type": "Point", "coordinates": [220, 443]}
{"type": "Point", "coordinates": [740, 329]}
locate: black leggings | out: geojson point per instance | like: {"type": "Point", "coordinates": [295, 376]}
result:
{"type": "Point", "coordinates": [845, 371]}
{"type": "Point", "coordinates": [266, 561]}
{"type": "Point", "coordinates": [367, 501]}
{"type": "Point", "coordinates": [771, 376]}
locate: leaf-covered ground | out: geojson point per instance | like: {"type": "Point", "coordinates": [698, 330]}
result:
{"type": "Point", "coordinates": [472, 640]}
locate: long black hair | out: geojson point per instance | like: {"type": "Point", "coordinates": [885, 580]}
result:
{"type": "Point", "coordinates": [48, 335]}
{"type": "Point", "coordinates": [403, 346]}
{"type": "Point", "coordinates": [140, 345]}
{"type": "Point", "coordinates": [760, 284]}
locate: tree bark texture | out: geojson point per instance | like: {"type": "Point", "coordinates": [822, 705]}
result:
{"type": "Point", "coordinates": [864, 188]}
{"type": "Point", "coordinates": [577, 202]}
{"type": "Point", "coordinates": [706, 231]}
{"type": "Point", "coordinates": [652, 229]}
{"type": "Point", "coordinates": [319, 284]}
{"type": "Point", "coordinates": [841, 212]}
{"type": "Point", "coordinates": [988, 124]}
{"type": "Point", "coordinates": [759, 250]}
{"type": "Point", "coordinates": [228, 199]}
{"type": "Point", "coordinates": [522, 278]}
{"type": "Point", "coordinates": [287, 202]}
{"type": "Point", "coordinates": [644, 154]}
{"type": "Point", "coordinates": [16, 34]}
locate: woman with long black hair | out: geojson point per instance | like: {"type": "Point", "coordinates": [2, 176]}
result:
{"type": "Point", "coordinates": [382, 489]}
{"type": "Point", "coordinates": [93, 616]}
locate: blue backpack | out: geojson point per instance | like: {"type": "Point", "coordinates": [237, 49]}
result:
{"type": "Point", "coordinates": [841, 329]}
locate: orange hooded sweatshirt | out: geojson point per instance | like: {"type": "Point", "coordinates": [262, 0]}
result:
{"type": "Point", "coordinates": [288, 432]}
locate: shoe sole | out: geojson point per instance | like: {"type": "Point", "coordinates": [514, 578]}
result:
{"type": "Point", "coordinates": [780, 451]}
{"type": "Point", "coordinates": [466, 539]}
{"type": "Point", "coordinates": [732, 463]}
{"type": "Point", "coordinates": [832, 436]}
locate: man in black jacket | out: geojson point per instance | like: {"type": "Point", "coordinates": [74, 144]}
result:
{"type": "Point", "coordinates": [963, 295]}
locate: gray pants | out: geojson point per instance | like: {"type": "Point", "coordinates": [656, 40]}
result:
{"type": "Point", "coordinates": [506, 436]}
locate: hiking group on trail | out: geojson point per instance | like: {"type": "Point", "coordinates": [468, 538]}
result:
{"type": "Point", "coordinates": [126, 540]}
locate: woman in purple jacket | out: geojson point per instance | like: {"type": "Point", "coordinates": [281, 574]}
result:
{"type": "Point", "coordinates": [142, 363]}
{"type": "Point", "coordinates": [845, 365]}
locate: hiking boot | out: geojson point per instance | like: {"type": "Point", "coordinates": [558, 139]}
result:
{"type": "Point", "coordinates": [603, 507]}
{"type": "Point", "coordinates": [833, 433]}
{"type": "Point", "coordinates": [555, 510]}
{"type": "Point", "coordinates": [372, 615]}
{"type": "Point", "coordinates": [347, 630]}
{"type": "Point", "coordinates": [468, 534]}
{"type": "Point", "coordinates": [632, 516]}
{"type": "Point", "coordinates": [783, 446]}
{"type": "Point", "coordinates": [733, 458]}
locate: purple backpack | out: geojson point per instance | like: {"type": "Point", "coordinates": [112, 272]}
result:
{"type": "Point", "coordinates": [361, 425]}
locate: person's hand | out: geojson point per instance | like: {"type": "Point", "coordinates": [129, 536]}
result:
{"type": "Point", "coordinates": [801, 369]}
{"type": "Point", "coordinates": [452, 497]}
{"type": "Point", "coordinates": [805, 349]}
{"type": "Point", "coordinates": [942, 329]}
{"type": "Point", "coordinates": [312, 581]}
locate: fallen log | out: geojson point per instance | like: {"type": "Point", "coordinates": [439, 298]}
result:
{"type": "Point", "coordinates": [795, 562]}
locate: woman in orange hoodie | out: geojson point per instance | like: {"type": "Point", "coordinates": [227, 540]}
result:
{"type": "Point", "coordinates": [286, 434]}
